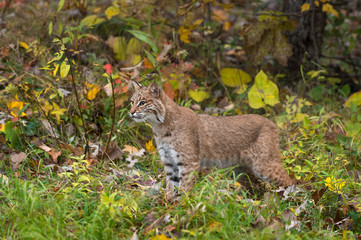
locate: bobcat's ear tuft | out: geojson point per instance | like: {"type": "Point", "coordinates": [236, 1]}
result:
{"type": "Point", "coordinates": [155, 90]}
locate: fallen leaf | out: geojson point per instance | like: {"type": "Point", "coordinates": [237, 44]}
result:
{"type": "Point", "coordinates": [160, 237]}
{"type": "Point", "coordinates": [130, 149]}
{"type": "Point", "coordinates": [49, 128]}
{"type": "Point", "coordinates": [45, 148]}
{"type": "Point", "coordinates": [108, 68]}
{"type": "Point", "coordinates": [24, 45]}
{"type": "Point", "coordinates": [16, 159]}
{"type": "Point", "coordinates": [52, 152]}
{"type": "Point", "coordinates": [170, 228]}
{"type": "Point", "coordinates": [317, 195]}
{"type": "Point", "coordinates": [5, 179]}
{"type": "Point", "coordinates": [54, 155]}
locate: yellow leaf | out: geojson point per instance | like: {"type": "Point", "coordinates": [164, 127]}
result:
{"type": "Point", "coordinates": [149, 146]}
{"type": "Point", "coordinates": [317, 3]}
{"type": "Point", "coordinates": [91, 20]}
{"type": "Point", "coordinates": [2, 127]}
{"type": "Point", "coordinates": [242, 88]}
{"type": "Point", "coordinates": [84, 178]}
{"type": "Point", "coordinates": [92, 93]}
{"type": "Point", "coordinates": [58, 112]}
{"type": "Point", "coordinates": [354, 98]}
{"type": "Point", "coordinates": [305, 7]}
{"type": "Point", "coordinates": [64, 69]}
{"type": "Point", "coordinates": [46, 106]}
{"type": "Point", "coordinates": [197, 22]}
{"type": "Point", "coordinates": [56, 69]}
{"type": "Point", "coordinates": [226, 26]}
{"type": "Point", "coordinates": [263, 92]}
{"type": "Point", "coordinates": [335, 185]}
{"type": "Point", "coordinates": [214, 226]}
{"type": "Point", "coordinates": [184, 34]}
{"type": "Point", "coordinates": [112, 11]}
{"type": "Point", "coordinates": [160, 237]}
{"type": "Point", "coordinates": [197, 95]}
{"type": "Point", "coordinates": [329, 9]}
{"type": "Point", "coordinates": [15, 107]}
{"type": "Point", "coordinates": [233, 77]}
{"type": "Point", "coordinates": [24, 45]}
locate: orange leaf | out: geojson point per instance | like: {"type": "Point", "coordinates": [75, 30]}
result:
{"type": "Point", "coordinates": [148, 64]}
{"type": "Point", "coordinates": [168, 89]}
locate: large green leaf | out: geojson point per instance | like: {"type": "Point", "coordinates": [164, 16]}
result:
{"type": "Point", "coordinates": [197, 95]}
{"type": "Point", "coordinates": [143, 36]}
{"type": "Point", "coordinates": [233, 77]}
{"type": "Point", "coordinates": [64, 69]}
{"type": "Point", "coordinates": [263, 92]}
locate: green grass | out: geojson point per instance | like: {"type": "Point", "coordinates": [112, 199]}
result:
{"type": "Point", "coordinates": [108, 200]}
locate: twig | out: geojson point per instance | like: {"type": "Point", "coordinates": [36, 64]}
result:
{"type": "Point", "coordinates": [343, 59]}
{"type": "Point", "coordinates": [292, 14]}
{"type": "Point", "coordinates": [113, 120]}
{"type": "Point", "coordinates": [78, 104]}
{"type": "Point", "coordinates": [136, 70]}
{"type": "Point", "coordinates": [313, 35]}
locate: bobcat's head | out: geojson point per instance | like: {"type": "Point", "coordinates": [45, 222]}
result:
{"type": "Point", "coordinates": [147, 105]}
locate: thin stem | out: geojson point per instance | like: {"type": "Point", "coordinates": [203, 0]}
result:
{"type": "Point", "coordinates": [113, 119]}
{"type": "Point", "coordinates": [78, 104]}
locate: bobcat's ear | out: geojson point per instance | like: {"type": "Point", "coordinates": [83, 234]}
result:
{"type": "Point", "coordinates": [154, 90]}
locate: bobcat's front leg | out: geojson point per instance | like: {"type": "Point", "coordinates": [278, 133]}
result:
{"type": "Point", "coordinates": [178, 169]}
{"type": "Point", "coordinates": [179, 177]}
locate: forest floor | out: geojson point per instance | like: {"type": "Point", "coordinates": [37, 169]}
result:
{"type": "Point", "coordinates": [97, 175]}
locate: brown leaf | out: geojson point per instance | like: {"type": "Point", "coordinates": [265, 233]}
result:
{"type": "Point", "coordinates": [45, 148]}
{"type": "Point", "coordinates": [17, 79]}
{"type": "Point", "coordinates": [77, 151]}
{"type": "Point", "coordinates": [115, 153]}
{"type": "Point", "coordinates": [16, 159]}
{"type": "Point", "coordinates": [52, 152]}
{"type": "Point", "coordinates": [155, 223]}
{"type": "Point", "coordinates": [317, 195]}
{"type": "Point", "coordinates": [170, 228]}
{"type": "Point", "coordinates": [54, 155]}
{"type": "Point", "coordinates": [50, 129]}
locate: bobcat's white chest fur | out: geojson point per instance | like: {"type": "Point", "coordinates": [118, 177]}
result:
{"type": "Point", "coordinates": [188, 142]}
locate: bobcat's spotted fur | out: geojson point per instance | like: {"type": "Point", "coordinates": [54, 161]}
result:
{"type": "Point", "coordinates": [188, 142]}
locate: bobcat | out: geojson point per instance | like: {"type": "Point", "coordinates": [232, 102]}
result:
{"type": "Point", "coordinates": [188, 142]}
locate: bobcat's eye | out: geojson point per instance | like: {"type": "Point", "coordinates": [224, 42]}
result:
{"type": "Point", "coordinates": [141, 103]}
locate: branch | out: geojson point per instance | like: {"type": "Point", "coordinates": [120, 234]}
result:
{"type": "Point", "coordinates": [113, 119]}
{"type": "Point", "coordinates": [78, 103]}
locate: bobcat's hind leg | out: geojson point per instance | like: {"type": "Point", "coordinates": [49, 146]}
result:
{"type": "Point", "coordinates": [273, 172]}
{"type": "Point", "coordinates": [266, 158]}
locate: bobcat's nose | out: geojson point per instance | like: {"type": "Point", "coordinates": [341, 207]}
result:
{"type": "Point", "coordinates": [132, 111]}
